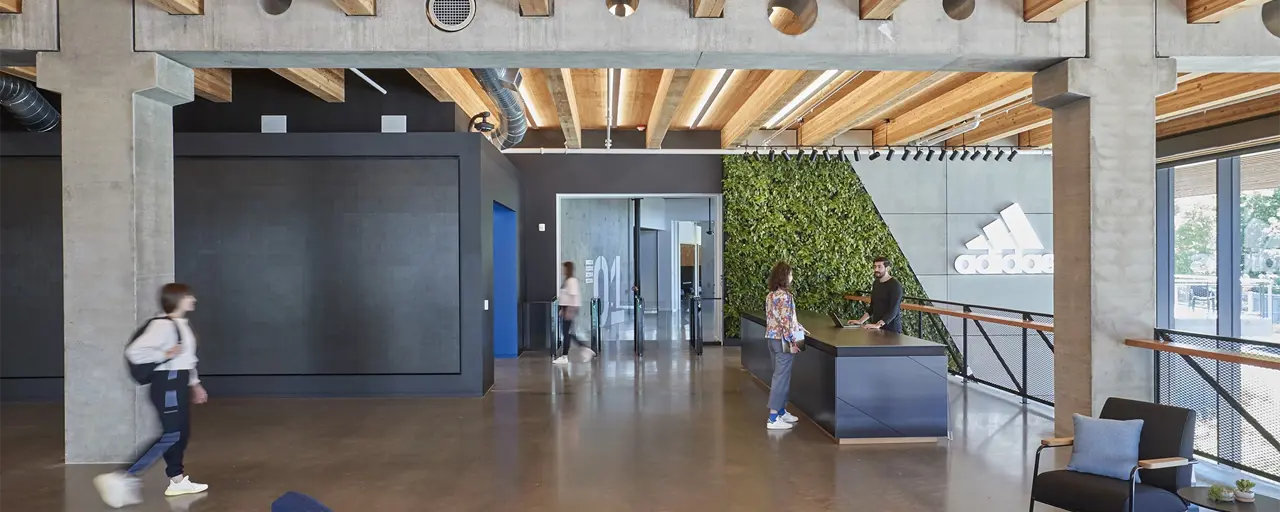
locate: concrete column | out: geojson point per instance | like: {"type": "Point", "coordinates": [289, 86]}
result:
{"type": "Point", "coordinates": [1104, 207]}
{"type": "Point", "coordinates": [117, 215]}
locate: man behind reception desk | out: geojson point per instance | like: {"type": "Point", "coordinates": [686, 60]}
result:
{"type": "Point", "coordinates": [885, 311]}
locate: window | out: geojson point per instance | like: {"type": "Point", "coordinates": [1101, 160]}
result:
{"type": "Point", "coordinates": [1195, 235]}
{"type": "Point", "coordinates": [1260, 246]}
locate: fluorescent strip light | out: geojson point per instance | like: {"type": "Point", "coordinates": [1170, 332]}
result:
{"type": "Point", "coordinates": [608, 99]}
{"type": "Point", "coordinates": [528, 105]}
{"type": "Point", "coordinates": [705, 96]}
{"type": "Point", "coordinates": [800, 98]}
{"type": "Point", "coordinates": [623, 83]}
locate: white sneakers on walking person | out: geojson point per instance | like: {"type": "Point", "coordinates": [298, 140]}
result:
{"type": "Point", "coordinates": [118, 489]}
{"type": "Point", "coordinates": [560, 360]}
{"type": "Point", "coordinates": [183, 486]}
{"type": "Point", "coordinates": [779, 424]}
{"type": "Point", "coordinates": [788, 417]}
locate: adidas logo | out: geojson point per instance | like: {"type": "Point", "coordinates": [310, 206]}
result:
{"type": "Point", "coordinates": [1011, 233]}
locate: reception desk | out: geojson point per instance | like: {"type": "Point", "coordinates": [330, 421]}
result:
{"type": "Point", "coordinates": [859, 385]}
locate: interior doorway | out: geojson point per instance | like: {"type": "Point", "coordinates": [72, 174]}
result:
{"type": "Point", "coordinates": [506, 286]}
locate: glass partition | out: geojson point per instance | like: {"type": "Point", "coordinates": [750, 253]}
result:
{"type": "Point", "coordinates": [1195, 234]}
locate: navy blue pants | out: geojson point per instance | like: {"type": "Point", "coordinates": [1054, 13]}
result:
{"type": "Point", "coordinates": [171, 397]}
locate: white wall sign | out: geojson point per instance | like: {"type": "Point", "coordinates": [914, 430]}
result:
{"type": "Point", "coordinates": [1011, 245]}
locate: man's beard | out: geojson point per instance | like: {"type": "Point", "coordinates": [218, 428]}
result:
{"type": "Point", "coordinates": [878, 274]}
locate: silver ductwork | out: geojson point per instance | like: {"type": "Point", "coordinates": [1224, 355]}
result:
{"type": "Point", "coordinates": [22, 100]}
{"type": "Point", "coordinates": [503, 85]}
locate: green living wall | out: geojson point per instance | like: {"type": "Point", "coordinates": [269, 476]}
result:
{"type": "Point", "coordinates": [818, 217]}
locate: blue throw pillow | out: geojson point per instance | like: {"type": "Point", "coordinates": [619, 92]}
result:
{"type": "Point", "coordinates": [1105, 447]}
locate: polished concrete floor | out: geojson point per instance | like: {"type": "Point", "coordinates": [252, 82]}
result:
{"type": "Point", "coordinates": [669, 433]}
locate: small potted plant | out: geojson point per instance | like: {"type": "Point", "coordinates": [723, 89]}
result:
{"type": "Point", "coordinates": [1220, 492]}
{"type": "Point", "coordinates": [1244, 490]}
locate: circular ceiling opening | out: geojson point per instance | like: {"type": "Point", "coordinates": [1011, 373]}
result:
{"type": "Point", "coordinates": [1271, 17]}
{"type": "Point", "coordinates": [959, 9]}
{"type": "Point", "coordinates": [451, 15]}
{"type": "Point", "coordinates": [793, 17]}
{"type": "Point", "coordinates": [622, 8]}
{"type": "Point", "coordinates": [275, 7]}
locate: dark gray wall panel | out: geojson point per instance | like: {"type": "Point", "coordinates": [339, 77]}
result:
{"type": "Point", "coordinates": [31, 268]}
{"type": "Point", "coordinates": [545, 176]}
{"type": "Point", "coordinates": [499, 182]}
{"type": "Point", "coordinates": [321, 266]}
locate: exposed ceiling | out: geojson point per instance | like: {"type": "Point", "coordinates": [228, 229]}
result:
{"type": "Point", "coordinates": [893, 107]}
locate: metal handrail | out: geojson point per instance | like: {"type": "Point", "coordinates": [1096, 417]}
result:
{"type": "Point", "coordinates": [960, 356]}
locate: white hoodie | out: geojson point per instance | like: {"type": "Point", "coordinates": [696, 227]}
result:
{"type": "Point", "coordinates": [158, 338]}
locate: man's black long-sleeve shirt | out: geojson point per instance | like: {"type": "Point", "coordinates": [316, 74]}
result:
{"type": "Point", "coordinates": [886, 304]}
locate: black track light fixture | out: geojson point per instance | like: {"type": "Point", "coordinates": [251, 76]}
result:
{"type": "Point", "coordinates": [876, 154]}
{"type": "Point", "coordinates": [904, 155]}
{"type": "Point", "coordinates": [999, 155]}
{"type": "Point", "coordinates": [954, 153]}
{"type": "Point", "coordinates": [918, 155]}
{"type": "Point", "coordinates": [1013, 154]}
{"type": "Point", "coordinates": [987, 155]}
{"type": "Point", "coordinates": [773, 155]}
{"type": "Point", "coordinates": [963, 156]}
{"type": "Point", "coordinates": [786, 156]}
{"type": "Point", "coordinates": [857, 155]}
{"type": "Point", "coordinates": [929, 157]}
{"type": "Point", "coordinates": [826, 155]}
{"type": "Point", "coordinates": [841, 156]}
{"type": "Point", "coordinates": [813, 156]}
{"type": "Point", "coordinates": [890, 156]}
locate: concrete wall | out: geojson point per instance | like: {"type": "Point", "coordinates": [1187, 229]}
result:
{"type": "Point", "coordinates": [1240, 42]}
{"type": "Point", "coordinates": [933, 208]}
{"type": "Point", "coordinates": [583, 34]}
{"type": "Point", "coordinates": [595, 234]}
{"type": "Point", "coordinates": [33, 30]}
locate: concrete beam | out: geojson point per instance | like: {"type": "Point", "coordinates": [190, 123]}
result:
{"type": "Point", "coordinates": [327, 84]}
{"type": "Point", "coordinates": [1213, 11]}
{"type": "Point", "coordinates": [672, 90]}
{"type": "Point", "coordinates": [188, 7]}
{"type": "Point", "coordinates": [358, 7]}
{"type": "Point", "coordinates": [582, 35]}
{"type": "Point", "coordinates": [1237, 43]}
{"type": "Point", "coordinates": [1042, 11]}
{"type": "Point", "coordinates": [36, 29]}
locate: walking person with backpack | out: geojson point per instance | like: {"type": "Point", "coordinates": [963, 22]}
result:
{"type": "Point", "coordinates": [163, 354]}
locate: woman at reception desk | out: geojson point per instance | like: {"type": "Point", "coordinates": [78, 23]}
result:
{"type": "Point", "coordinates": [858, 385]}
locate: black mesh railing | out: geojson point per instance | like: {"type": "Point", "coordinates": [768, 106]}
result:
{"type": "Point", "coordinates": [1008, 349]}
{"type": "Point", "coordinates": [1237, 406]}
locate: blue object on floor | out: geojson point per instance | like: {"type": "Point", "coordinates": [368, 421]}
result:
{"type": "Point", "coordinates": [297, 502]}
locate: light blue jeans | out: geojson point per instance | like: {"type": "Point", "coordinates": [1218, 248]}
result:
{"type": "Point", "coordinates": [781, 385]}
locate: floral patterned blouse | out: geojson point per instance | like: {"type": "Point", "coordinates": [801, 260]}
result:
{"type": "Point", "coordinates": [780, 316]}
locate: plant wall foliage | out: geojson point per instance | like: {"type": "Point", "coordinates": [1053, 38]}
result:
{"type": "Point", "coordinates": [818, 217]}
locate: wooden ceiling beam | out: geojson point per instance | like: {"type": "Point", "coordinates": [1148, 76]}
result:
{"type": "Point", "coordinates": [702, 83]}
{"type": "Point", "coordinates": [1036, 137]}
{"type": "Point", "coordinates": [1043, 11]}
{"type": "Point", "coordinates": [636, 91]}
{"type": "Point", "coordinates": [27, 72]}
{"type": "Point", "coordinates": [213, 84]}
{"type": "Point", "coordinates": [877, 92]}
{"type": "Point", "coordinates": [1243, 111]}
{"type": "Point", "coordinates": [878, 9]}
{"type": "Point", "coordinates": [328, 84]}
{"type": "Point", "coordinates": [773, 94]}
{"type": "Point", "coordinates": [450, 84]}
{"type": "Point", "coordinates": [1213, 11]}
{"type": "Point", "coordinates": [1215, 90]}
{"type": "Point", "coordinates": [735, 92]}
{"type": "Point", "coordinates": [986, 92]}
{"type": "Point", "coordinates": [358, 7]}
{"type": "Point", "coordinates": [11, 6]}
{"type": "Point", "coordinates": [187, 7]}
{"type": "Point", "coordinates": [590, 87]}
{"type": "Point", "coordinates": [540, 109]}
{"type": "Point", "coordinates": [672, 89]}
{"type": "Point", "coordinates": [708, 8]}
{"type": "Point", "coordinates": [535, 8]}
{"type": "Point", "coordinates": [1015, 121]}
{"type": "Point", "coordinates": [560, 84]}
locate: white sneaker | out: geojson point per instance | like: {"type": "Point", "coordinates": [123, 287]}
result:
{"type": "Point", "coordinates": [118, 489]}
{"type": "Point", "coordinates": [591, 354]}
{"type": "Point", "coordinates": [560, 360]}
{"type": "Point", "coordinates": [184, 486]}
{"type": "Point", "coordinates": [779, 424]}
{"type": "Point", "coordinates": [789, 418]}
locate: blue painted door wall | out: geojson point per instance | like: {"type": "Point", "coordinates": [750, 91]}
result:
{"type": "Point", "coordinates": [505, 284]}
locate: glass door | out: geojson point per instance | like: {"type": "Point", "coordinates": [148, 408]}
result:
{"type": "Point", "coordinates": [597, 236]}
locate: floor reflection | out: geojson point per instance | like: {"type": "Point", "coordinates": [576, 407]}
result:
{"type": "Point", "coordinates": [669, 432]}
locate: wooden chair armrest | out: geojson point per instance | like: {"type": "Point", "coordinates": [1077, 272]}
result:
{"type": "Point", "coordinates": [1167, 462]}
{"type": "Point", "coordinates": [1057, 441]}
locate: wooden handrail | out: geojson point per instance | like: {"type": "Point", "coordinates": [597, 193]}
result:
{"type": "Point", "coordinates": [1226, 356]}
{"type": "Point", "coordinates": [1038, 326]}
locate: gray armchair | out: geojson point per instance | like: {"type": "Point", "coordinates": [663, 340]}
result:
{"type": "Point", "coordinates": [1165, 451]}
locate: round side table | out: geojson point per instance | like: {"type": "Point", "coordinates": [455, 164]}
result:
{"type": "Point", "coordinates": [1200, 497]}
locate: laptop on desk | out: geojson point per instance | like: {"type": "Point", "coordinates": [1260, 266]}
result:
{"type": "Point", "coordinates": [843, 322]}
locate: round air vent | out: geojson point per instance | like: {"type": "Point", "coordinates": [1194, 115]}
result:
{"type": "Point", "coordinates": [1271, 17]}
{"type": "Point", "coordinates": [959, 10]}
{"type": "Point", "coordinates": [451, 15]}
